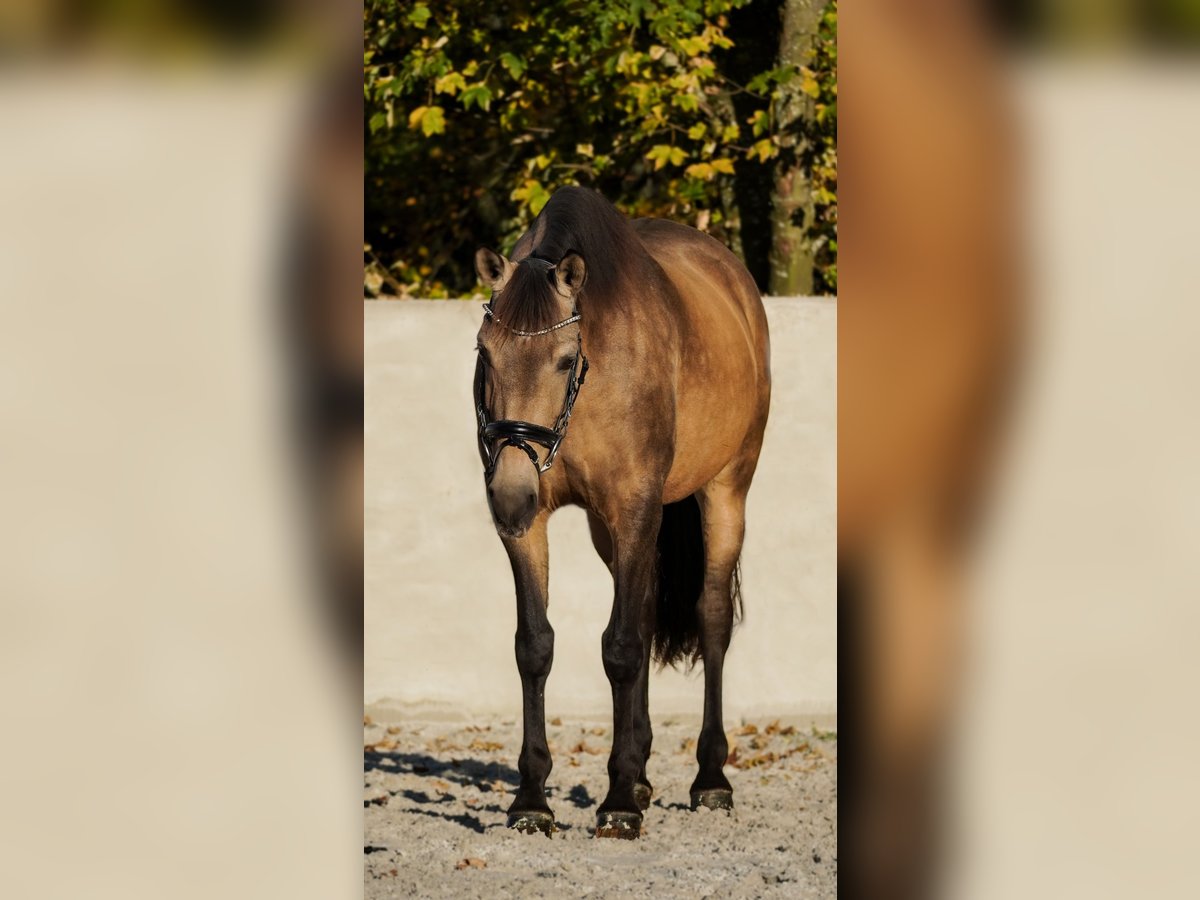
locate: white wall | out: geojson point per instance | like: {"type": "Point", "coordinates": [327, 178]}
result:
{"type": "Point", "coordinates": [440, 610]}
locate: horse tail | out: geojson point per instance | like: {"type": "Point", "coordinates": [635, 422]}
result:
{"type": "Point", "coordinates": [680, 581]}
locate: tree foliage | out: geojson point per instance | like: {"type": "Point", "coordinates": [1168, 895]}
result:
{"type": "Point", "coordinates": [477, 110]}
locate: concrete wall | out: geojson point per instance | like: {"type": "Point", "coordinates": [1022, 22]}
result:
{"type": "Point", "coordinates": [440, 613]}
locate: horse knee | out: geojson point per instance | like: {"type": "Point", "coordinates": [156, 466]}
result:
{"type": "Point", "coordinates": [623, 656]}
{"type": "Point", "coordinates": [535, 652]}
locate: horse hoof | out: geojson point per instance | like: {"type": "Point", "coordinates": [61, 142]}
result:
{"type": "Point", "coordinates": [717, 798]}
{"type": "Point", "coordinates": [535, 822]}
{"type": "Point", "coordinates": [623, 825]}
{"type": "Point", "coordinates": [642, 795]}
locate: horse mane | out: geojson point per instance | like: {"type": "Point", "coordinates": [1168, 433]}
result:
{"type": "Point", "coordinates": [574, 220]}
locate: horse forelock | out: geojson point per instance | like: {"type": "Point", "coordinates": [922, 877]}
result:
{"type": "Point", "coordinates": [529, 301]}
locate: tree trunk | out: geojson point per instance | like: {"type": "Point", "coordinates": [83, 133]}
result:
{"type": "Point", "coordinates": [792, 209]}
{"type": "Point", "coordinates": [722, 105]}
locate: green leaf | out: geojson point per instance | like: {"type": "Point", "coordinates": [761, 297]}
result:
{"type": "Point", "coordinates": [434, 121]}
{"type": "Point", "coordinates": [419, 16]}
{"type": "Point", "coordinates": [378, 120]}
{"type": "Point", "coordinates": [514, 64]}
{"type": "Point", "coordinates": [479, 94]}
{"type": "Point", "coordinates": [696, 131]}
{"type": "Point", "coordinates": [533, 194]}
{"type": "Point", "coordinates": [688, 102]}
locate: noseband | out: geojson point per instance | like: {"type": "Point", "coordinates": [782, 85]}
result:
{"type": "Point", "coordinates": [516, 433]}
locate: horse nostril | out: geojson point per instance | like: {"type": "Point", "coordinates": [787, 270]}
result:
{"type": "Point", "coordinates": [491, 493]}
{"type": "Point", "coordinates": [530, 499]}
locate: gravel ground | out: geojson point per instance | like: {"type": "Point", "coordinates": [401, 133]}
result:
{"type": "Point", "coordinates": [436, 795]}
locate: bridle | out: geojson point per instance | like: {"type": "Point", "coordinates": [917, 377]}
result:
{"type": "Point", "coordinates": [516, 433]}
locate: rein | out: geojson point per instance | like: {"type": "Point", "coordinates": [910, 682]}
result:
{"type": "Point", "coordinates": [517, 433]}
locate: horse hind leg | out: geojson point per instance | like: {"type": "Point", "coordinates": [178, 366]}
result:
{"type": "Point", "coordinates": [722, 508]}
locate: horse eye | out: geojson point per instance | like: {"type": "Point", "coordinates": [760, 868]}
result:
{"type": "Point", "coordinates": [566, 363]}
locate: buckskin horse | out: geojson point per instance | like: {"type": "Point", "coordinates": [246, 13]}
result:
{"type": "Point", "coordinates": [667, 330]}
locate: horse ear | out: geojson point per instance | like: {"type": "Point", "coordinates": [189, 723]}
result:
{"type": "Point", "coordinates": [570, 274]}
{"type": "Point", "coordinates": [494, 270]}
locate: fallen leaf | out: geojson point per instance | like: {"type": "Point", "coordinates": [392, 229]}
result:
{"type": "Point", "coordinates": [393, 729]}
{"type": "Point", "coordinates": [582, 747]}
{"type": "Point", "coordinates": [480, 744]}
{"type": "Point", "coordinates": [556, 721]}
{"type": "Point", "coordinates": [759, 759]}
{"type": "Point", "coordinates": [747, 729]}
{"type": "Point", "coordinates": [471, 862]}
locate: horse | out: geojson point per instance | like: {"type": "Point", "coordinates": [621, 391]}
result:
{"type": "Point", "coordinates": [667, 330]}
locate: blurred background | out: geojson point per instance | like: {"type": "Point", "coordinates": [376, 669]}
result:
{"type": "Point", "coordinates": [1014, 463]}
{"type": "Point", "coordinates": [180, 245]}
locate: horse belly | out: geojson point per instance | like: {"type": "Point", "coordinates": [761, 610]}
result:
{"type": "Point", "coordinates": [719, 406]}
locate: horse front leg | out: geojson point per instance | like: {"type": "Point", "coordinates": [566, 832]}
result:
{"type": "Point", "coordinates": [530, 559]}
{"type": "Point", "coordinates": [625, 648]}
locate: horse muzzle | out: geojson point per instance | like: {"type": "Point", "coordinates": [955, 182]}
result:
{"type": "Point", "coordinates": [513, 494]}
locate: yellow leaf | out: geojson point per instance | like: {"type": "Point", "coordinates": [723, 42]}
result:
{"type": "Point", "coordinates": [700, 170]}
{"type": "Point", "coordinates": [723, 165]}
{"type": "Point", "coordinates": [659, 154]}
{"type": "Point", "coordinates": [763, 149]}
{"type": "Point", "coordinates": [449, 84]}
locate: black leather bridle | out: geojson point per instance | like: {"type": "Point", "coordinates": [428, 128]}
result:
{"type": "Point", "coordinates": [516, 433]}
